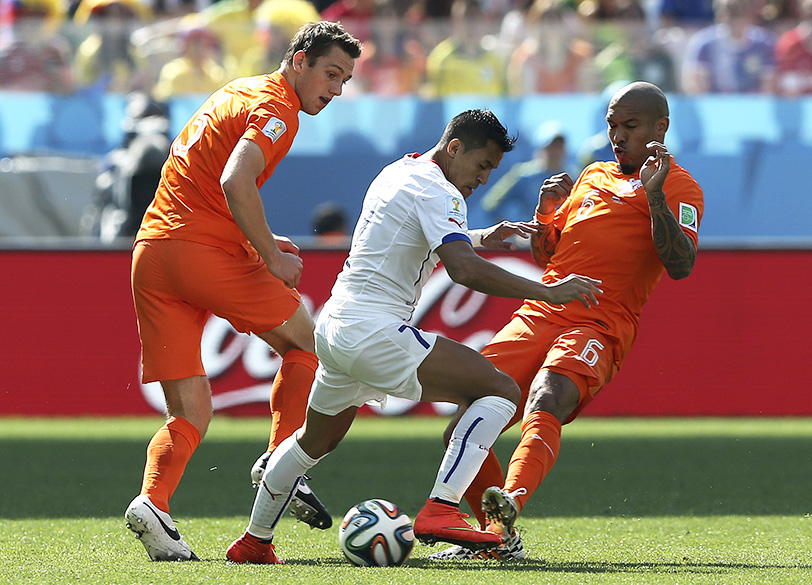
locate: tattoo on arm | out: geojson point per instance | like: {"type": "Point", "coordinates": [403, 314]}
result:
{"type": "Point", "coordinates": [543, 243]}
{"type": "Point", "coordinates": [675, 249]}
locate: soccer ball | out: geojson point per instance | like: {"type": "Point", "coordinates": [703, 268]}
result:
{"type": "Point", "coordinates": [376, 533]}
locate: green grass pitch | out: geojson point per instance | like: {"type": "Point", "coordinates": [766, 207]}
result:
{"type": "Point", "coordinates": [714, 501]}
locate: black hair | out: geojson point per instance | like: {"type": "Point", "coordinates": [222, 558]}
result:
{"type": "Point", "coordinates": [317, 38]}
{"type": "Point", "coordinates": [474, 128]}
{"type": "Point", "coordinates": [329, 218]}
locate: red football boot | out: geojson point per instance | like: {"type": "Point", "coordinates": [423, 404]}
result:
{"type": "Point", "coordinates": [443, 522]}
{"type": "Point", "coordinates": [250, 549]}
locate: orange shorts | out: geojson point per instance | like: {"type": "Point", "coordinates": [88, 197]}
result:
{"type": "Point", "coordinates": [527, 344]}
{"type": "Point", "coordinates": [176, 285]}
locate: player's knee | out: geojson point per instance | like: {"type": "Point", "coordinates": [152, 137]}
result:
{"type": "Point", "coordinates": [505, 387]}
{"type": "Point", "coordinates": [317, 445]}
{"type": "Point", "coordinates": [558, 400]}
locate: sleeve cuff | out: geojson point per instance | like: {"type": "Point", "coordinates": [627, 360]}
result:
{"type": "Point", "coordinates": [545, 219]}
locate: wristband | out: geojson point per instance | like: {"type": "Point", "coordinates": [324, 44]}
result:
{"type": "Point", "coordinates": [476, 238]}
{"type": "Point", "coordinates": [545, 219]}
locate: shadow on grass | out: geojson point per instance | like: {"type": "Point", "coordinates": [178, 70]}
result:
{"type": "Point", "coordinates": [610, 477]}
{"type": "Point", "coordinates": [525, 565]}
{"type": "Point", "coordinates": [587, 567]}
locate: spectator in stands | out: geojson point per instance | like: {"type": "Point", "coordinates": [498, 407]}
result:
{"type": "Point", "coordinates": [735, 55]}
{"type": "Point", "coordinates": [354, 15]}
{"type": "Point", "coordinates": [32, 20]}
{"type": "Point", "coordinates": [233, 23]}
{"type": "Point", "coordinates": [168, 9]}
{"type": "Point", "coordinates": [554, 57]}
{"type": "Point", "coordinates": [394, 59]}
{"type": "Point", "coordinates": [107, 59]}
{"type": "Point", "coordinates": [437, 9]}
{"type": "Point", "coordinates": [197, 70]}
{"type": "Point", "coordinates": [518, 190]}
{"type": "Point", "coordinates": [461, 64]}
{"type": "Point", "coordinates": [513, 27]}
{"type": "Point", "coordinates": [685, 13]}
{"type": "Point", "coordinates": [651, 59]}
{"type": "Point", "coordinates": [793, 55]}
{"type": "Point", "coordinates": [34, 55]}
{"type": "Point", "coordinates": [330, 225]}
{"type": "Point", "coordinates": [130, 174]}
{"type": "Point", "coordinates": [276, 22]}
{"type": "Point", "coordinates": [45, 66]}
{"type": "Point", "coordinates": [616, 26]}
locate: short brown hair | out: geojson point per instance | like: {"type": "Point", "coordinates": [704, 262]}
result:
{"type": "Point", "coordinates": [317, 38]}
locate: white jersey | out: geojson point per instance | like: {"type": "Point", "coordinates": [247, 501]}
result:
{"type": "Point", "coordinates": [410, 210]}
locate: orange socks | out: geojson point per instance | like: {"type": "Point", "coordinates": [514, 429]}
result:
{"type": "Point", "coordinates": [291, 388]}
{"type": "Point", "coordinates": [535, 456]}
{"type": "Point", "coordinates": [167, 455]}
{"type": "Point", "coordinates": [490, 474]}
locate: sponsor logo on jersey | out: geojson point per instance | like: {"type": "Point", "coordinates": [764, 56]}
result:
{"type": "Point", "coordinates": [455, 221]}
{"type": "Point", "coordinates": [274, 129]}
{"type": "Point", "coordinates": [688, 216]}
{"type": "Point", "coordinates": [455, 206]}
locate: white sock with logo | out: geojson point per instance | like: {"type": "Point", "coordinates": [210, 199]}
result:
{"type": "Point", "coordinates": [471, 439]}
{"type": "Point", "coordinates": [287, 464]}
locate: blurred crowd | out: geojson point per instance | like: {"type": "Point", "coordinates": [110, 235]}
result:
{"type": "Point", "coordinates": [429, 48]}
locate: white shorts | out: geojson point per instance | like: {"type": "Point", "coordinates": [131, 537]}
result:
{"type": "Point", "coordinates": [362, 360]}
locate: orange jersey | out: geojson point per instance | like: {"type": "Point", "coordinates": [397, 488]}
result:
{"type": "Point", "coordinates": [605, 227]}
{"type": "Point", "coordinates": [189, 203]}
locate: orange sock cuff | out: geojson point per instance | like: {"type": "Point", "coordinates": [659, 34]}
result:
{"type": "Point", "coordinates": [167, 455]}
{"type": "Point", "coordinates": [300, 356]}
{"type": "Point", "coordinates": [291, 389]}
{"type": "Point", "coordinates": [184, 429]}
{"type": "Point", "coordinates": [542, 419]}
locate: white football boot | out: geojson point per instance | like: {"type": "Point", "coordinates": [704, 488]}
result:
{"type": "Point", "coordinates": [511, 549]}
{"type": "Point", "coordinates": [304, 506]}
{"type": "Point", "coordinates": [156, 531]}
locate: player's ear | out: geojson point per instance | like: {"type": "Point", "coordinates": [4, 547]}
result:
{"type": "Point", "coordinates": [299, 61]}
{"type": "Point", "coordinates": [663, 124]}
{"type": "Point", "coordinates": [454, 147]}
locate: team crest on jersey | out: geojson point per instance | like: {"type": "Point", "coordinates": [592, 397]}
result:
{"type": "Point", "coordinates": [688, 216]}
{"type": "Point", "coordinates": [627, 188]}
{"type": "Point", "coordinates": [454, 206]}
{"type": "Point", "coordinates": [274, 129]}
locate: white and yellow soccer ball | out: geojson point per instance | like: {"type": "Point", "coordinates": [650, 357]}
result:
{"type": "Point", "coordinates": [376, 533]}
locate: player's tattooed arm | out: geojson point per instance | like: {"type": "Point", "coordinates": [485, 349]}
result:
{"type": "Point", "coordinates": [543, 243]}
{"type": "Point", "coordinates": [553, 192]}
{"type": "Point", "coordinates": [675, 249]}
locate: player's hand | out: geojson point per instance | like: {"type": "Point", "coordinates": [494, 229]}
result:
{"type": "Point", "coordinates": [287, 267]}
{"type": "Point", "coordinates": [574, 287]}
{"type": "Point", "coordinates": [553, 192]}
{"type": "Point", "coordinates": [655, 169]}
{"type": "Point", "coordinates": [286, 245]}
{"type": "Point", "coordinates": [494, 237]}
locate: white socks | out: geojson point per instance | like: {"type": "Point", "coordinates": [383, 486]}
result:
{"type": "Point", "coordinates": [471, 440]}
{"type": "Point", "coordinates": [287, 464]}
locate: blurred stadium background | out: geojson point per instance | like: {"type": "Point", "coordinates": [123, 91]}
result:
{"type": "Point", "coordinates": [91, 92]}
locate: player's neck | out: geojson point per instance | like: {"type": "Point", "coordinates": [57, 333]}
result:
{"type": "Point", "coordinates": [438, 156]}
